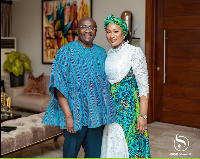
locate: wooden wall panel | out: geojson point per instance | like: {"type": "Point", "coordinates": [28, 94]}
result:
{"type": "Point", "coordinates": [182, 8]}
{"type": "Point", "coordinates": [179, 1]}
{"type": "Point", "coordinates": [181, 105]}
{"type": "Point", "coordinates": [183, 77]}
{"type": "Point", "coordinates": [183, 36]}
{"type": "Point", "coordinates": [181, 91]}
{"type": "Point", "coordinates": [192, 64]}
{"type": "Point", "coordinates": [182, 50]}
{"type": "Point", "coordinates": [182, 22]}
{"type": "Point", "coordinates": [179, 118]}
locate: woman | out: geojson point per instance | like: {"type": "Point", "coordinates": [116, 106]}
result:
{"type": "Point", "coordinates": [126, 70]}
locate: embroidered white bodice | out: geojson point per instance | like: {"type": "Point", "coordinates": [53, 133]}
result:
{"type": "Point", "coordinates": [119, 62]}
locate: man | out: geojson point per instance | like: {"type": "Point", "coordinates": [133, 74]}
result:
{"type": "Point", "coordinates": [81, 102]}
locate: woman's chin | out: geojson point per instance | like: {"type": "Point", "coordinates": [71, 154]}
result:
{"type": "Point", "coordinates": [113, 44]}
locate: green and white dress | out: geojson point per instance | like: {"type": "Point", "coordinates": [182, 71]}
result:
{"type": "Point", "coordinates": [126, 70]}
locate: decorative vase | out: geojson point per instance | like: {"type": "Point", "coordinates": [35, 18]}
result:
{"type": "Point", "coordinates": [16, 81]}
{"type": "Point", "coordinates": [127, 16]}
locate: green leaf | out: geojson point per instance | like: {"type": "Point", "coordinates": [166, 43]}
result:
{"type": "Point", "coordinates": [17, 53]}
{"type": "Point", "coordinates": [12, 58]}
{"type": "Point", "coordinates": [27, 65]}
{"type": "Point", "coordinates": [21, 70]}
{"type": "Point", "coordinates": [16, 71]}
{"type": "Point", "coordinates": [6, 65]}
{"type": "Point", "coordinates": [17, 63]}
{"type": "Point", "coordinates": [22, 58]}
{"type": "Point", "coordinates": [23, 54]}
{"type": "Point", "coordinates": [30, 70]}
{"type": "Point", "coordinates": [10, 67]}
{"type": "Point", "coordinates": [9, 55]}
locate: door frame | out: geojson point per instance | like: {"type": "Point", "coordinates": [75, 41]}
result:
{"type": "Point", "coordinates": [152, 36]}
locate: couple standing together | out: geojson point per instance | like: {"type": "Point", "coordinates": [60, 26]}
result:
{"type": "Point", "coordinates": [100, 99]}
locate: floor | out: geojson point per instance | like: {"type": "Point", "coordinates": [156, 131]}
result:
{"type": "Point", "coordinates": [162, 136]}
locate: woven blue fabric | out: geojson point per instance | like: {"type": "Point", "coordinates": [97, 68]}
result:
{"type": "Point", "coordinates": [79, 74]}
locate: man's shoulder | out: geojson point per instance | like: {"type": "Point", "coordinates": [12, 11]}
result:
{"type": "Point", "coordinates": [99, 47]}
{"type": "Point", "coordinates": [68, 47]}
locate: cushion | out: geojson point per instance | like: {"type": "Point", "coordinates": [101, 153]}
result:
{"type": "Point", "coordinates": [32, 102]}
{"type": "Point", "coordinates": [47, 79]}
{"type": "Point", "coordinates": [35, 86]}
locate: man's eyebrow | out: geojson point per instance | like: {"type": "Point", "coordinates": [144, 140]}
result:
{"type": "Point", "coordinates": [88, 25]}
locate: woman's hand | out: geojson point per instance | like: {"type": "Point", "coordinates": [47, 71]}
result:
{"type": "Point", "coordinates": [141, 125]}
{"type": "Point", "coordinates": [70, 124]}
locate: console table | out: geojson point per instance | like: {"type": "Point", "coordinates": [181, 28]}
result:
{"type": "Point", "coordinates": [14, 116]}
{"type": "Point", "coordinates": [136, 41]}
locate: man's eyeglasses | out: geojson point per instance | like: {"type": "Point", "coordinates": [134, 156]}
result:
{"type": "Point", "coordinates": [84, 27]}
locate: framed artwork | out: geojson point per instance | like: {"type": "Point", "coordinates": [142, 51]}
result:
{"type": "Point", "coordinates": [59, 23]}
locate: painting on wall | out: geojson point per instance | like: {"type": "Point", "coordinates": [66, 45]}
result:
{"type": "Point", "coordinates": [59, 24]}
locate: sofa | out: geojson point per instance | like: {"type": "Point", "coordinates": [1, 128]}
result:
{"type": "Point", "coordinates": [36, 103]}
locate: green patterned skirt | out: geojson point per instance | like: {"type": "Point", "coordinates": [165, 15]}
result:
{"type": "Point", "coordinates": [126, 98]}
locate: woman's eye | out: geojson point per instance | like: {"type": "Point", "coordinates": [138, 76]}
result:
{"type": "Point", "coordinates": [116, 31]}
{"type": "Point", "coordinates": [107, 32]}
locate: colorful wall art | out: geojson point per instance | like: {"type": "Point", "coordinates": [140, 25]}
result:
{"type": "Point", "coordinates": [59, 23]}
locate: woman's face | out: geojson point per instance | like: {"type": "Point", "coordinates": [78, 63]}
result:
{"type": "Point", "coordinates": [114, 35]}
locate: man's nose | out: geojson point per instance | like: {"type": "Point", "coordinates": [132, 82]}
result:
{"type": "Point", "coordinates": [87, 30]}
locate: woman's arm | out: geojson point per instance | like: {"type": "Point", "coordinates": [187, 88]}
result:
{"type": "Point", "coordinates": [142, 122]}
{"type": "Point", "coordinates": [141, 74]}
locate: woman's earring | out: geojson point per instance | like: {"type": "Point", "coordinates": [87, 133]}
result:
{"type": "Point", "coordinates": [124, 37]}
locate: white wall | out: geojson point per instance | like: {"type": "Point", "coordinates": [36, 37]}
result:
{"type": "Point", "coordinates": [103, 8]}
{"type": "Point", "coordinates": [27, 26]}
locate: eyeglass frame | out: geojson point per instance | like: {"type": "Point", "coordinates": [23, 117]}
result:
{"type": "Point", "coordinates": [84, 27]}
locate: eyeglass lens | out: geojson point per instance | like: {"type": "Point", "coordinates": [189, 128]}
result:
{"type": "Point", "coordinates": [87, 27]}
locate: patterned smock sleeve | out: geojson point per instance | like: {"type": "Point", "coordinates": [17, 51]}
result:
{"type": "Point", "coordinates": [60, 73]}
{"type": "Point", "coordinates": [139, 66]}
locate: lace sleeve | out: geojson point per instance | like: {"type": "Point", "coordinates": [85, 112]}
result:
{"type": "Point", "coordinates": [140, 71]}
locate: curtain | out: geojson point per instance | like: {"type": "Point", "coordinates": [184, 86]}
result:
{"type": "Point", "coordinates": [6, 19]}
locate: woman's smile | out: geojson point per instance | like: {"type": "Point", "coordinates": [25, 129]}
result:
{"type": "Point", "coordinates": [114, 35]}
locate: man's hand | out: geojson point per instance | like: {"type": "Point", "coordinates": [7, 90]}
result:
{"type": "Point", "coordinates": [70, 124]}
{"type": "Point", "coordinates": [141, 125]}
{"type": "Point", "coordinates": [67, 111]}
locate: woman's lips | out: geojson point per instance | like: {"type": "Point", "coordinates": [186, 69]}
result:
{"type": "Point", "coordinates": [112, 40]}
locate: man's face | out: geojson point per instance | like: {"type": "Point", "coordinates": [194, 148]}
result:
{"type": "Point", "coordinates": [86, 31]}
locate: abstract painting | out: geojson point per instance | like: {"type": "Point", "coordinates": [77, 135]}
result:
{"type": "Point", "coordinates": [59, 24]}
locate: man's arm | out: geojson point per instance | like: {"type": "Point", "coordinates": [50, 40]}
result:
{"type": "Point", "coordinates": [67, 111]}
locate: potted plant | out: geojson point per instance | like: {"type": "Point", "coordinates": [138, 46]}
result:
{"type": "Point", "coordinates": [15, 64]}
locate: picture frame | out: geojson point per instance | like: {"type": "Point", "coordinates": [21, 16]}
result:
{"type": "Point", "coordinates": [59, 24]}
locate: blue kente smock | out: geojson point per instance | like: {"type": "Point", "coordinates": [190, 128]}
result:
{"type": "Point", "coordinates": [79, 74]}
